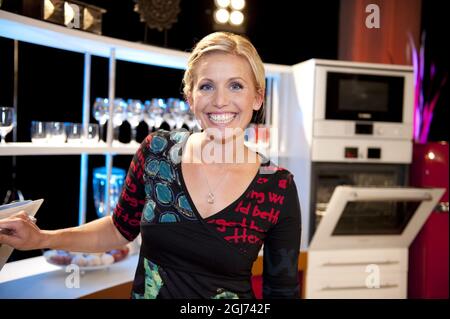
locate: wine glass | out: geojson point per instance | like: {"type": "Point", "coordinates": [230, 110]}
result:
{"type": "Point", "coordinates": [119, 115]}
{"type": "Point", "coordinates": [7, 122]}
{"type": "Point", "coordinates": [157, 109]}
{"type": "Point", "coordinates": [135, 113]}
{"type": "Point", "coordinates": [100, 112]}
{"type": "Point", "coordinates": [148, 116]}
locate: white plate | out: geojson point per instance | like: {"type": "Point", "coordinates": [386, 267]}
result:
{"type": "Point", "coordinates": [81, 268]}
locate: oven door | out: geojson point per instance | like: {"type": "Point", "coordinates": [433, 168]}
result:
{"type": "Point", "coordinates": [374, 217]}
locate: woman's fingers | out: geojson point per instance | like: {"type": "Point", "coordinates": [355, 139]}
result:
{"type": "Point", "coordinates": [18, 232]}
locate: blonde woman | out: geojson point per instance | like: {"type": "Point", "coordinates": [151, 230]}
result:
{"type": "Point", "coordinates": [204, 203]}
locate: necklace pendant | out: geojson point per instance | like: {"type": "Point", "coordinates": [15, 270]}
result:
{"type": "Point", "coordinates": [210, 198]}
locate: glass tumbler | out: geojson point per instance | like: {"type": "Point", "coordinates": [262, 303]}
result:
{"type": "Point", "coordinates": [99, 186]}
{"type": "Point", "coordinates": [92, 134]}
{"type": "Point", "coordinates": [56, 133]}
{"type": "Point", "coordinates": [74, 132]}
{"type": "Point", "coordinates": [38, 132]}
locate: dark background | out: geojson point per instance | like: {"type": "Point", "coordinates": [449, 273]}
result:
{"type": "Point", "coordinates": [50, 82]}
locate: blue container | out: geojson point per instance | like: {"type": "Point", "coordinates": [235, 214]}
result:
{"type": "Point", "coordinates": [99, 184]}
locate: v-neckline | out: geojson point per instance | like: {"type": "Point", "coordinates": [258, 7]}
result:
{"type": "Point", "coordinates": [226, 208]}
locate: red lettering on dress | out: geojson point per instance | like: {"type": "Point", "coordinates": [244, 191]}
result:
{"type": "Point", "coordinates": [236, 237]}
{"type": "Point", "coordinates": [282, 183]}
{"type": "Point", "coordinates": [271, 216]}
{"type": "Point", "coordinates": [262, 180]}
{"type": "Point", "coordinates": [242, 209]}
{"type": "Point", "coordinates": [223, 224]}
{"type": "Point", "coordinates": [253, 226]}
{"type": "Point", "coordinates": [258, 195]}
{"type": "Point", "coordinates": [275, 198]}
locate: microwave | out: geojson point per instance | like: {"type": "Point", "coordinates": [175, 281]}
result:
{"type": "Point", "coordinates": [363, 100]}
{"type": "Point", "coordinates": [356, 112]}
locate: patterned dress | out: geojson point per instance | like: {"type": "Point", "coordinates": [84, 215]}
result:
{"type": "Point", "coordinates": [186, 256]}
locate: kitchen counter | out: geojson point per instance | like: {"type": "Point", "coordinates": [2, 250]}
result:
{"type": "Point", "coordinates": [34, 278]}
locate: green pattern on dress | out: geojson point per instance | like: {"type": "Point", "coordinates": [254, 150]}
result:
{"type": "Point", "coordinates": [226, 295]}
{"type": "Point", "coordinates": [153, 281]}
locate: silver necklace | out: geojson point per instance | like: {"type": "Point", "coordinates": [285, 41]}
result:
{"type": "Point", "coordinates": [210, 199]}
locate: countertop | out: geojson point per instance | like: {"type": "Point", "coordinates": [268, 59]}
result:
{"type": "Point", "coordinates": [35, 278]}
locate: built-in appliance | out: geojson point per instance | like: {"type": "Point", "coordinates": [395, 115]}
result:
{"type": "Point", "coordinates": [360, 248]}
{"type": "Point", "coordinates": [359, 111]}
{"type": "Point", "coordinates": [346, 123]}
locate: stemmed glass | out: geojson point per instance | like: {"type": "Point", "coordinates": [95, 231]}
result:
{"type": "Point", "coordinates": [148, 116]}
{"type": "Point", "coordinates": [156, 110]}
{"type": "Point", "coordinates": [135, 113]}
{"type": "Point", "coordinates": [100, 112]}
{"type": "Point", "coordinates": [7, 122]}
{"type": "Point", "coordinates": [177, 109]}
{"type": "Point", "coordinates": [119, 115]}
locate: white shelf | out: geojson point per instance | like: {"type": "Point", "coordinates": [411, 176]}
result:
{"type": "Point", "coordinates": [39, 32]}
{"type": "Point", "coordinates": [14, 26]}
{"type": "Point", "coordinates": [117, 148]}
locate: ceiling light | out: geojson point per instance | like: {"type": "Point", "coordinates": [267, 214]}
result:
{"type": "Point", "coordinates": [238, 4]}
{"type": "Point", "coordinates": [236, 18]}
{"type": "Point", "coordinates": [222, 3]}
{"type": "Point", "coordinates": [221, 16]}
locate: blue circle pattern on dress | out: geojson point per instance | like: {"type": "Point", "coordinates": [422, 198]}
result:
{"type": "Point", "coordinates": [148, 189]}
{"type": "Point", "coordinates": [149, 211]}
{"type": "Point", "coordinates": [179, 136]}
{"type": "Point", "coordinates": [164, 193]}
{"type": "Point", "coordinates": [158, 144]}
{"type": "Point", "coordinates": [166, 171]}
{"type": "Point", "coordinates": [168, 217]}
{"type": "Point", "coordinates": [184, 207]}
{"type": "Point", "coordinates": [162, 180]}
{"type": "Point", "coordinates": [152, 167]}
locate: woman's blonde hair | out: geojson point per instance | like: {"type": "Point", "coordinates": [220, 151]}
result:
{"type": "Point", "coordinates": [228, 43]}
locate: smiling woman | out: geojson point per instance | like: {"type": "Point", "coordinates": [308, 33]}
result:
{"type": "Point", "coordinates": [203, 215]}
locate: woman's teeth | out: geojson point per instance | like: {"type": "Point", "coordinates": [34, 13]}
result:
{"type": "Point", "coordinates": [222, 118]}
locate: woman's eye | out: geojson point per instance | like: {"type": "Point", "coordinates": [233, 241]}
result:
{"type": "Point", "coordinates": [205, 87]}
{"type": "Point", "coordinates": [236, 86]}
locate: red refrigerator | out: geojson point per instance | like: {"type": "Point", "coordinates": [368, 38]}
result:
{"type": "Point", "coordinates": [429, 252]}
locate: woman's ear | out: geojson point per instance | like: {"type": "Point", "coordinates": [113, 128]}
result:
{"type": "Point", "coordinates": [259, 99]}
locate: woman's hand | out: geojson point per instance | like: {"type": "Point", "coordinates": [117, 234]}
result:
{"type": "Point", "coordinates": [20, 231]}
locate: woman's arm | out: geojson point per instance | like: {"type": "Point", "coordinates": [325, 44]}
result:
{"type": "Point", "coordinates": [97, 236]}
{"type": "Point", "coordinates": [281, 250]}
{"type": "Point", "coordinates": [100, 235]}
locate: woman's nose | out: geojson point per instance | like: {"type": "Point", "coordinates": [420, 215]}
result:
{"type": "Point", "coordinates": [221, 98]}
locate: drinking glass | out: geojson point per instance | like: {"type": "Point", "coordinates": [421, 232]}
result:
{"type": "Point", "coordinates": [99, 186]}
{"type": "Point", "coordinates": [100, 112]}
{"type": "Point", "coordinates": [157, 110]}
{"type": "Point", "coordinates": [74, 132]}
{"type": "Point", "coordinates": [135, 114]}
{"type": "Point", "coordinates": [119, 115]}
{"type": "Point", "coordinates": [177, 109]}
{"type": "Point", "coordinates": [7, 122]}
{"type": "Point", "coordinates": [148, 116]}
{"type": "Point", "coordinates": [56, 133]}
{"type": "Point", "coordinates": [92, 133]}
{"type": "Point", "coordinates": [38, 132]}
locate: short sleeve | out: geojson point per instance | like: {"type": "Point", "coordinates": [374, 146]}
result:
{"type": "Point", "coordinates": [281, 249]}
{"type": "Point", "coordinates": [128, 211]}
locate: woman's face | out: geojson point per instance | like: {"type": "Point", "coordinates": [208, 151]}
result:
{"type": "Point", "coordinates": [224, 92]}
